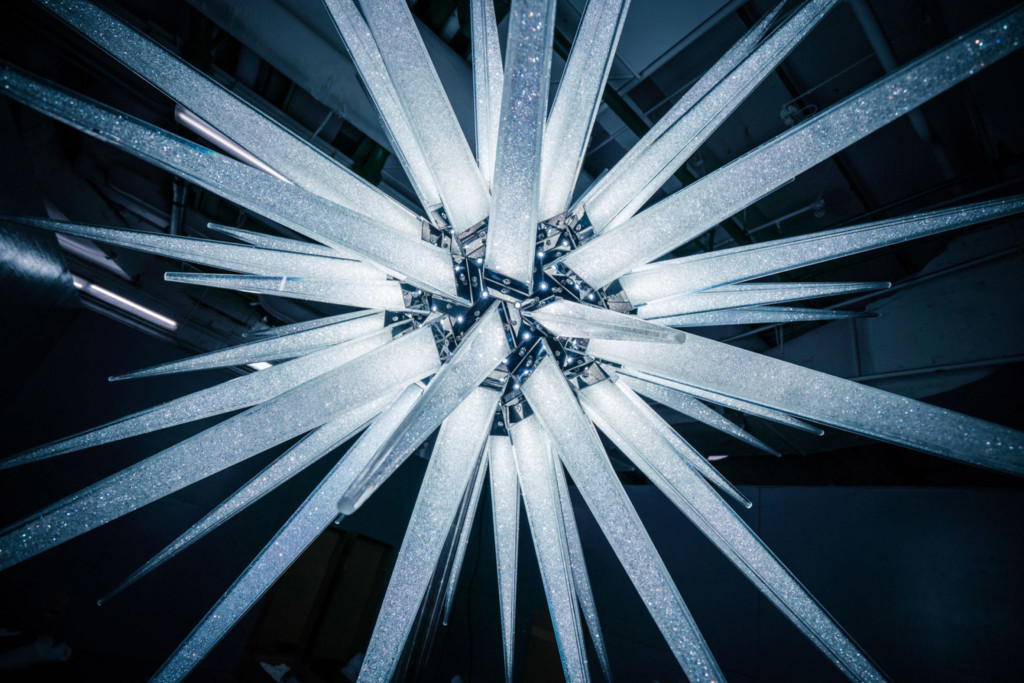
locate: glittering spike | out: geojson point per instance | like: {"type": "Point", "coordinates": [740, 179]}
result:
{"type": "Point", "coordinates": [568, 319]}
{"type": "Point", "coordinates": [312, 517]}
{"type": "Point", "coordinates": [512, 228]}
{"type": "Point", "coordinates": [273, 348]}
{"type": "Point", "coordinates": [685, 451]}
{"type": "Point", "coordinates": [715, 197]}
{"type": "Point", "coordinates": [488, 83]}
{"type": "Point", "coordinates": [482, 350]}
{"type": "Point", "coordinates": [725, 401]}
{"type": "Point", "coordinates": [643, 444]}
{"type": "Point", "coordinates": [505, 504]}
{"type": "Point", "coordinates": [235, 394]}
{"type": "Point", "coordinates": [290, 205]}
{"type": "Point", "coordinates": [465, 527]}
{"type": "Point", "coordinates": [367, 59]}
{"type": "Point", "coordinates": [380, 294]}
{"type": "Point", "coordinates": [536, 467]}
{"type": "Point", "coordinates": [693, 273]}
{"type": "Point", "coordinates": [458, 448]}
{"type": "Point", "coordinates": [306, 325]}
{"type": "Point", "coordinates": [309, 450]}
{"type": "Point", "coordinates": [750, 294]}
{"type": "Point", "coordinates": [580, 449]}
{"type": "Point", "coordinates": [428, 111]}
{"type": "Point", "coordinates": [691, 407]}
{"type": "Point", "coordinates": [236, 257]}
{"type": "Point", "coordinates": [279, 148]}
{"type": "Point", "coordinates": [759, 315]}
{"type": "Point", "coordinates": [580, 578]}
{"type": "Point", "coordinates": [829, 400]}
{"type": "Point", "coordinates": [294, 412]}
{"type": "Point", "coordinates": [259, 239]}
{"type": "Point", "coordinates": [658, 148]}
{"type": "Point", "coordinates": [572, 115]}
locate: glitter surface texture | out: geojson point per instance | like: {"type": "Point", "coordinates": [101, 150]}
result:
{"type": "Point", "coordinates": [513, 378]}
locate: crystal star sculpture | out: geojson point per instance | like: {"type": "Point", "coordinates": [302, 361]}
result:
{"type": "Point", "coordinates": [505, 317]}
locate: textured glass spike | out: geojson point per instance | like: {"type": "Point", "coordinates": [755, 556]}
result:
{"type": "Point", "coordinates": [750, 294]}
{"type": "Point", "coordinates": [759, 315]}
{"type": "Point", "coordinates": [282, 150]}
{"type": "Point", "coordinates": [308, 522]}
{"type": "Point", "coordinates": [685, 451]}
{"type": "Point", "coordinates": [380, 294]}
{"type": "Point", "coordinates": [306, 325]}
{"type": "Point", "coordinates": [290, 205]}
{"type": "Point", "coordinates": [465, 528]}
{"type": "Point", "coordinates": [309, 450]}
{"type": "Point", "coordinates": [479, 353]}
{"type": "Point", "coordinates": [458, 448]}
{"type": "Point", "coordinates": [580, 449]}
{"type": "Point", "coordinates": [294, 412]}
{"type": "Point", "coordinates": [273, 348]}
{"type": "Point", "coordinates": [643, 444]}
{"type": "Point", "coordinates": [259, 239]}
{"type": "Point", "coordinates": [569, 319]}
{"type": "Point", "coordinates": [488, 83]}
{"type": "Point", "coordinates": [694, 273]}
{"type": "Point", "coordinates": [580, 578]}
{"type": "Point", "coordinates": [366, 57]}
{"type": "Point", "coordinates": [603, 200]}
{"type": "Point", "coordinates": [688, 213]}
{"type": "Point", "coordinates": [456, 175]}
{"type": "Point", "coordinates": [575, 107]}
{"type": "Point", "coordinates": [505, 504]}
{"type": "Point", "coordinates": [724, 401]}
{"type": "Point", "coordinates": [235, 394]}
{"type": "Point", "coordinates": [691, 407]}
{"type": "Point", "coordinates": [536, 468]}
{"type": "Point", "coordinates": [512, 227]}
{"type": "Point", "coordinates": [829, 400]}
{"type": "Point", "coordinates": [236, 257]}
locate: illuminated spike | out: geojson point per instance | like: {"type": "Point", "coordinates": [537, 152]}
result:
{"type": "Point", "coordinates": [366, 57]}
{"type": "Point", "coordinates": [580, 578]}
{"type": "Point", "coordinates": [759, 315]}
{"type": "Point", "coordinates": [685, 451]}
{"type": "Point", "coordinates": [379, 294]}
{"type": "Point", "coordinates": [829, 400]}
{"type": "Point", "coordinates": [697, 207]}
{"type": "Point", "coordinates": [488, 83]}
{"type": "Point", "coordinates": [551, 398]}
{"type": "Point", "coordinates": [693, 273]}
{"type": "Point", "coordinates": [725, 401]}
{"type": "Point", "coordinates": [308, 522]}
{"type": "Point", "coordinates": [505, 504]}
{"type": "Point", "coordinates": [477, 355]}
{"type": "Point", "coordinates": [691, 407]}
{"type": "Point", "coordinates": [641, 156]}
{"type": "Point", "coordinates": [512, 227]}
{"type": "Point", "coordinates": [750, 294]}
{"type": "Point", "coordinates": [290, 205]}
{"type": "Point", "coordinates": [536, 467]}
{"type": "Point", "coordinates": [465, 527]}
{"type": "Point", "coordinates": [458, 449]}
{"type": "Point", "coordinates": [569, 125]}
{"type": "Point", "coordinates": [235, 394]}
{"type": "Point", "coordinates": [257, 133]}
{"type": "Point", "coordinates": [569, 319]}
{"type": "Point", "coordinates": [309, 450]}
{"type": "Point", "coordinates": [236, 257]}
{"type": "Point", "coordinates": [259, 239]}
{"type": "Point", "coordinates": [294, 412]}
{"type": "Point", "coordinates": [306, 325]}
{"type": "Point", "coordinates": [411, 71]}
{"type": "Point", "coordinates": [273, 348]}
{"type": "Point", "coordinates": [643, 444]}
